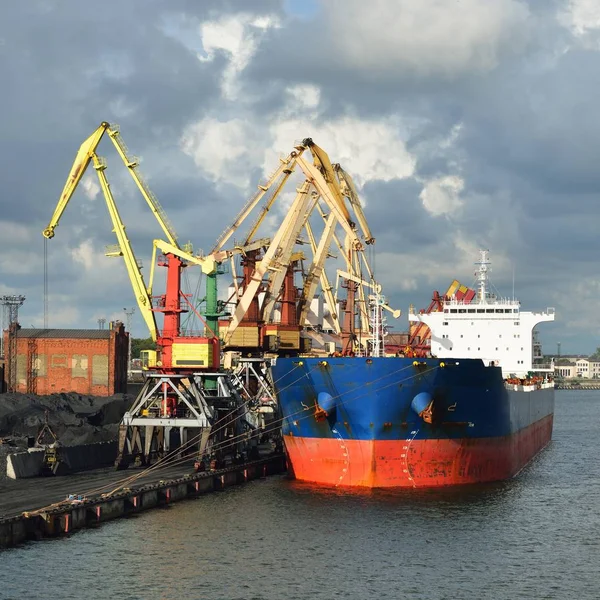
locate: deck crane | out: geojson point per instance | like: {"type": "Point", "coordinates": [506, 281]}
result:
{"type": "Point", "coordinates": [186, 390]}
{"type": "Point", "coordinates": [267, 284]}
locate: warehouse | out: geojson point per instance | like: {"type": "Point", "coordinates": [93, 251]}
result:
{"type": "Point", "coordinates": [85, 361]}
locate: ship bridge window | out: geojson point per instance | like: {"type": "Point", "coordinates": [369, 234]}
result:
{"type": "Point", "coordinates": [471, 310]}
{"type": "Point", "coordinates": [499, 310]}
{"type": "Point", "coordinates": [462, 310]}
{"type": "Point", "coordinates": [517, 322]}
{"type": "Point", "coordinates": [480, 310]}
{"type": "Point", "coordinates": [446, 310]}
{"type": "Point", "coordinates": [516, 310]}
{"type": "Point", "coordinates": [453, 310]}
{"type": "Point", "coordinates": [489, 310]}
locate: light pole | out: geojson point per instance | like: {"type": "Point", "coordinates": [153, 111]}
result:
{"type": "Point", "coordinates": [129, 314]}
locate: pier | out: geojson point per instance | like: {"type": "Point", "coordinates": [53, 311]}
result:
{"type": "Point", "coordinates": [30, 511]}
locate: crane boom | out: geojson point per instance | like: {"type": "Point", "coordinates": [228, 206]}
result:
{"type": "Point", "coordinates": [132, 163]}
{"type": "Point", "coordinates": [140, 290]}
{"type": "Point", "coordinates": [293, 216]}
{"type": "Point", "coordinates": [330, 300]}
{"type": "Point", "coordinates": [208, 264]}
{"type": "Point", "coordinates": [349, 190]}
{"type": "Point", "coordinates": [286, 167]}
{"type": "Point", "coordinates": [283, 259]}
{"type": "Point", "coordinates": [80, 164]}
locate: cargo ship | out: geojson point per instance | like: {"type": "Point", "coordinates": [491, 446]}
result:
{"type": "Point", "coordinates": [477, 409]}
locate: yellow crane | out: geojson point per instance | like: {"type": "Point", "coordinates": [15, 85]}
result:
{"type": "Point", "coordinates": [184, 389]}
{"type": "Point", "coordinates": [176, 353]}
{"type": "Point", "coordinates": [267, 278]}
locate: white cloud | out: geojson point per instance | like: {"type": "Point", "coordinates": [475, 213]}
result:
{"type": "Point", "coordinates": [581, 16]}
{"type": "Point", "coordinates": [429, 37]}
{"type": "Point", "coordinates": [226, 151]}
{"type": "Point", "coordinates": [85, 255]}
{"type": "Point", "coordinates": [442, 195]}
{"type": "Point", "coordinates": [90, 186]}
{"type": "Point", "coordinates": [303, 97]}
{"type": "Point", "coordinates": [238, 37]}
{"type": "Point", "coordinates": [368, 149]}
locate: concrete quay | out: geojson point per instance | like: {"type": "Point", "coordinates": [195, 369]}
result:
{"type": "Point", "coordinates": [62, 517]}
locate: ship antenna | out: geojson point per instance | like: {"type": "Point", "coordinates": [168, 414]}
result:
{"type": "Point", "coordinates": [513, 298]}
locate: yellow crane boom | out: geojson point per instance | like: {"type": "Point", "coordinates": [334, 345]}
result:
{"type": "Point", "coordinates": [82, 160]}
{"type": "Point", "coordinates": [87, 154]}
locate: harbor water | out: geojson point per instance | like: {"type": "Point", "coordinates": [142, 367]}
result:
{"type": "Point", "coordinates": [537, 536]}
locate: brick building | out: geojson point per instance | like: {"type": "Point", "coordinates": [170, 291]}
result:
{"type": "Point", "coordinates": [86, 361]}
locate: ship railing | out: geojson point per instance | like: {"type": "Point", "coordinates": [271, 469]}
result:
{"type": "Point", "coordinates": [474, 302]}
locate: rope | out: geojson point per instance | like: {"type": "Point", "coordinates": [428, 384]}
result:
{"type": "Point", "coordinates": [170, 461]}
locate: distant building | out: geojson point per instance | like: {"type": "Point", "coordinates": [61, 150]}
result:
{"type": "Point", "coordinates": [85, 361]}
{"type": "Point", "coordinates": [565, 371]}
{"type": "Point", "coordinates": [578, 367]}
{"type": "Point", "coordinates": [594, 368]}
{"type": "Point", "coordinates": [583, 368]}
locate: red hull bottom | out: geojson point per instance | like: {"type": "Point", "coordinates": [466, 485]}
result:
{"type": "Point", "coordinates": [415, 463]}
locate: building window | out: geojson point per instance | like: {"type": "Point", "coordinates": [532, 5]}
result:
{"type": "Point", "coordinates": [58, 360]}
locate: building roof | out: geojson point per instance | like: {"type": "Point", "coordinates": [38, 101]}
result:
{"type": "Point", "coordinates": [82, 334]}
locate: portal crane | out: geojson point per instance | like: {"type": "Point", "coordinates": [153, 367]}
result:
{"type": "Point", "coordinates": [177, 353]}
{"type": "Point", "coordinates": [267, 284]}
{"type": "Point", "coordinates": [186, 390]}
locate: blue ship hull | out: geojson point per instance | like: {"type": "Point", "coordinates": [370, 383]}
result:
{"type": "Point", "coordinates": [381, 422]}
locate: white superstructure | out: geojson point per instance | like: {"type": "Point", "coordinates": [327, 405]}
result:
{"type": "Point", "coordinates": [491, 328]}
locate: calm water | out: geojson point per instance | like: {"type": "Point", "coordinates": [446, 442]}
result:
{"type": "Point", "coordinates": [535, 537]}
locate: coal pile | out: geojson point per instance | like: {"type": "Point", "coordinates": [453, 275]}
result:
{"type": "Point", "coordinates": [74, 418]}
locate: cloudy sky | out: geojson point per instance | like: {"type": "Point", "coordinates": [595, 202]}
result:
{"type": "Point", "coordinates": [465, 123]}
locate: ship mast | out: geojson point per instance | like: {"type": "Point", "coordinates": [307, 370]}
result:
{"type": "Point", "coordinates": [482, 276]}
{"type": "Point", "coordinates": [378, 324]}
